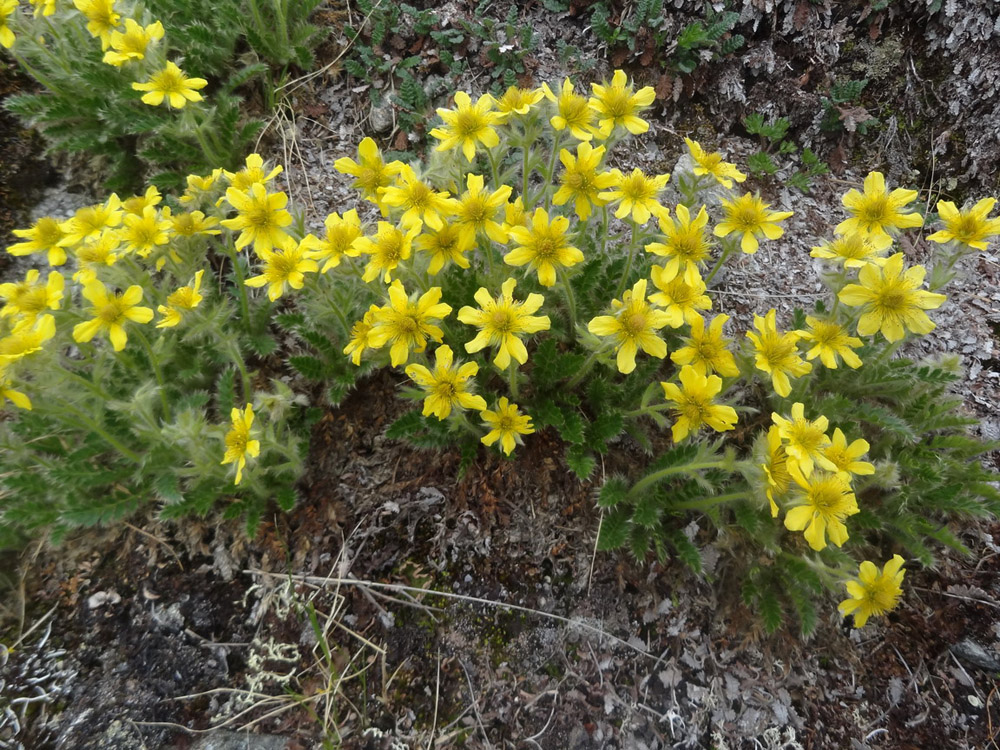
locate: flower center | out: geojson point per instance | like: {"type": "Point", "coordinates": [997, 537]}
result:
{"type": "Point", "coordinates": [111, 312]}
{"type": "Point", "coordinates": [874, 212]}
{"type": "Point", "coordinates": [634, 323]}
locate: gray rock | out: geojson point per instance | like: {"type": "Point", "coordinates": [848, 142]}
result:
{"type": "Point", "coordinates": [970, 652]}
{"type": "Point", "coordinates": [222, 740]}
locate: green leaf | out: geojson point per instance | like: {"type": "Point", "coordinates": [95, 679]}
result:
{"type": "Point", "coordinates": [614, 490]}
{"type": "Point", "coordinates": [311, 367]}
{"type": "Point", "coordinates": [614, 531]}
{"type": "Point", "coordinates": [580, 462]}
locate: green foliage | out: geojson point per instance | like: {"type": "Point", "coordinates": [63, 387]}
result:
{"type": "Point", "coordinates": [841, 108]}
{"type": "Point", "coordinates": [774, 144]}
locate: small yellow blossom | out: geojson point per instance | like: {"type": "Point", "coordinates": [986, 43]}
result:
{"type": "Point", "coordinates": [501, 321]}
{"type": "Point", "coordinates": [341, 239]}
{"type": "Point", "coordinates": [637, 195]}
{"type": "Point", "coordinates": [44, 237]}
{"type": "Point", "coordinates": [285, 266]}
{"type": "Point", "coordinates": [710, 163]}
{"type": "Point", "coordinates": [852, 250]}
{"type": "Point", "coordinates": [198, 185]}
{"type": "Point", "coordinates": [680, 300]}
{"type": "Point", "coordinates": [825, 502]}
{"type": "Point", "coordinates": [131, 44]}
{"type": "Point", "coordinates": [573, 112]}
{"type": "Point", "coordinates": [260, 218]}
{"type": "Point", "coordinates": [805, 441]}
{"type": "Point", "coordinates": [971, 227]}
{"type": "Point", "coordinates": [685, 243]}
{"type": "Point", "coordinates": [26, 338]}
{"type": "Point", "coordinates": [775, 467]}
{"type": "Point", "coordinates": [514, 215]}
{"type": "Point", "coordinates": [477, 210]}
{"type": "Point", "coordinates": [7, 392]}
{"type": "Point", "coordinates": [111, 312]}
{"type": "Point", "coordinates": [253, 173]}
{"type": "Point", "coordinates": [101, 18]}
{"type": "Point", "coordinates": [695, 404]}
{"type": "Point", "coordinates": [580, 181]}
{"type": "Point", "coordinates": [359, 335]}
{"type": "Point", "coordinates": [544, 245]}
{"type": "Point", "coordinates": [447, 386]}
{"type": "Point", "coordinates": [143, 234]}
{"type": "Point", "coordinates": [386, 250]}
{"type": "Point", "coordinates": [418, 200]}
{"type": "Point", "coordinates": [139, 203]}
{"type": "Point", "coordinates": [831, 340]}
{"type": "Point", "coordinates": [846, 458]}
{"type": "Point", "coordinates": [7, 9]}
{"type": "Point", "coordinates": [191, 223]}
{"type": "Point", "coordinates": [518, 101]}
{"type": "Point", "coordinates": [633, 326]}
{"type": "Point", "coordinates": [617, 103]}
{"type": "Point", "coordinates": [186, 298]}
{"type": "Point", "coordinates": [874, 592]}
{"type": "Point", "coordinates": [706, 350]}
{"type": "Point", "coordinates": [173, 85]}
{"type": "Point", "coordinates": [467, 125]}
{"type": "Point", "coordinates": [96, 253]}
{"type": "Point", "coordinates": [777, 354]}
{"type": "Point", "coordinates": [43, 7]}
{"type": "Point", "coordinates": [370, 171]}
{"type": "Point", "coordinates": [749, 217]}
{"type": "Point", "coordinates": [891, 300]}
{"type": "Point", "coordinates": [28, 299]}
{"type": "Point", "coordinates": [406, 325]}
{"type": "Point", "coordinates": [238, 442]}
{"type": "Point", "coordinates": [877, 213]}
{"type": "Point", "coordinates": [89, 222]}
{"type": "Point", "coordinates": [506, 424]}
{"type": "Point", "coordinates": [449, 244]}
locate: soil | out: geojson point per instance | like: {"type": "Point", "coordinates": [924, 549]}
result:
{"type": "Point", "coordinates": [156, 636]}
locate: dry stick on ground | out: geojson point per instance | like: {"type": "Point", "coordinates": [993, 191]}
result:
{"type": "Point", "coordinates": [475, 705]}
{"type": "Point", "coordinates": [315, 580]}
{"type": "Point", "coordinates": [157, 539]}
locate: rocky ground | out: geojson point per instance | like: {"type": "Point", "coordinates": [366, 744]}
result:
{"type": "Point", "coordinates": [165, 636]}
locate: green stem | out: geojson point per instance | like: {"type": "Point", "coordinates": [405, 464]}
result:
{"type": "Point", "coordinates": [463, 421]}
{"type": "Point", "coordinates": [727, 249]}
{"type": "Point", "coordinates": [494, 167]}
{"type": "Point", "coordinates": [238, 272]}
{"type": "Point", "coordinates": [525, 160]}
{"type": "Point", "coordinates": [156, 371]}
{"type": "Point", "coordinates": [512, 379]}
{"type": "Point", "coordinates": [623, 283]}
{"type": "Point", "coordinates": [237, 357]}
{"type": "Point", "coordinates": [570, 301]}
{"type": "Point", "coordinates": [648, 410]}
{"type": "Point", "coordinates": [89, 385]}
{"type": "Point", "coordinates": [83, 420]}
{"type": "Point", "coordinates": [585, 369]}
{"type": "Point", "coordinates": [604, 230]}
{"type": "Point", "coordinates": [549, 177]}
{"type": "Point", "coordinates": [708, 502]}
{"type": "Point", "coordinates": [662, 474]}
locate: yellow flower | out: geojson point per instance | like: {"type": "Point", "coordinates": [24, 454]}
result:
{"type": "Point", "coordinates": [43, 7]}
{"type": "Point", "coordinates": [831, 340]}
{"type": "Point", "coordinates": [173, 85]}
{"type": "Point", "coordinates": [253, 173]}
{"type": "Point", "coordinates": [826, 501]}
{"type": "Point", "coordinates": [447, 386]}
{"type": "Point", "coordinates": [638, 195]}
{"type": "Point", "coordinates": [544, 245]}
{"type": "Point", "coordinates": [633, 326]}
{"type": "Point", "coordinates": [468, 124]}
{"type": "Point", "coordinates": [28, 299]}
{"type": "Point", "coordinates": [142, 234]}
{"type": "Point", "coordinates": [506, 424]}
{"type": "Point", "coordinates": [111, 311]}
{"type": "Point", "coordinates": [777, 353]}
{"type": "Point", "coordinates": [872, 592]}
{"type": "Point", "coordinates": [972, 227]}
{"type": "Point", "coordinates": [92, 255]}
{"type": "Point", "coordinates": [580, 180]}
{"type": "Point", "coordinates": [853, 250]}
{"type": "Point", "coordinates": [891, 300]}
{"type": "Point", "coordinates": [101, 18]}
{"type": "Point", "coordinates": [685, 243]}
{"type": "Point", "coordinates": [707, 351]}
{"type": "Point", "coordinates": [7, 9]}
{"type": "Point", "coordinates": [501, 320]}
{"type": "Point", "coordinates": [191, 223]}
{"type": "Point", "coordinates": [775, 467]}
{"type": "Point", "coordinates": [284, 266]}
{"type": "Point", "coordinates": [26, 338]}
{"type": "Point", "coordinates": [846, 457]}
{"type": "Point", "coordinates": [805, 441]}
{"type": "Point", "coordinates": [131, 44]}
{"type": "Point", "coordinates": [616, 105]}
{"type": "Point", "coordinates": [573, 112]}
{"type": "Point", "coordinates": [371, 172]}
{"type": "Point", "coordinates": [197, 186]}
{"type": "Point", "coordinates": [407, 325]}
{"type": "Point", "coordinates": [342, 235]}
{"type": "Point", "coordinates": [7, 392]}
{"type": "Point", "coordinates": [44, 237]}
{"type": "Point", "coordinates": [680, 300]}
{"type": "Point", "coordinates": [711, 163]}
{"type": "Point", "coordinates": [877, 211]}
{"type": "Point", "coordinates": [359, 335]}
{"type": "Point", "coordinates": [696, 404]}
{"type": "Point", "coordinates": [184, 299]}
{"type": "Point", "coordinates": [238, 442]}
{"type": "Point", "coordinates": [514, 215]}
{"type": "Point", "coordinates": [89, 222]}
{"type": "Point", "coordinates": [449, 244]}
{"type": "Point", "coordinates": [139, 203]}
{"type": "Point", "coordinates": [389, 247]}
{"type": "Point", "coordinates": [418, 200]}
{"type": "Point", "coordinates": [516, 100]}
{"type": "Point", "coordinates": [477, 210]}
{"type": "Point", "coordinates": [260, 218]}
{"type": "Point", "coordinates": [748, 215]}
